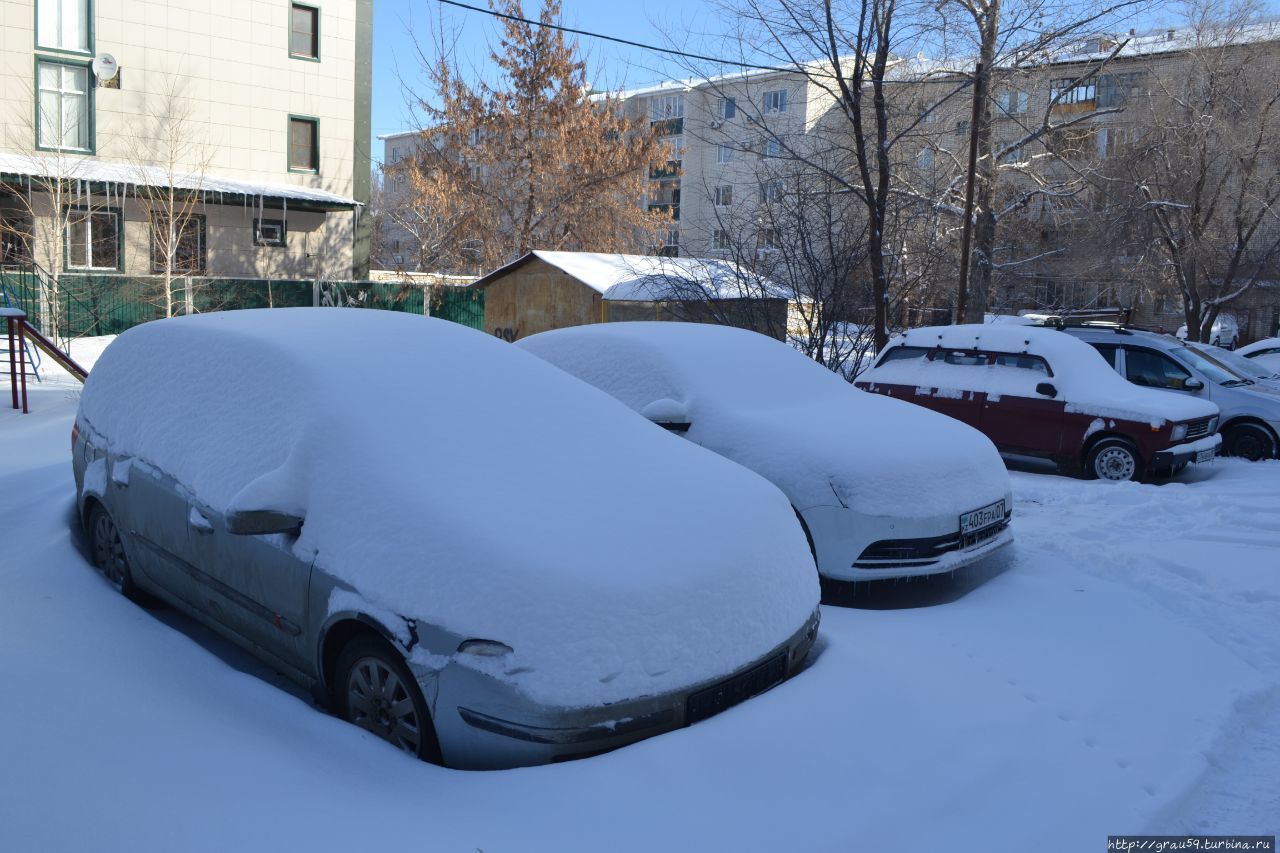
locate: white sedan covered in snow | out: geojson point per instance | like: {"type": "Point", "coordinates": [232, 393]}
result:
{"type": "Point", "coordinates": [458, 547]}
{"type": "Point", "coordinates": [884, 489]}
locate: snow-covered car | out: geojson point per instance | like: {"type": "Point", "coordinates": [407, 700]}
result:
{"type": "Point", "coordinates": [1041, 393]}
{"type": "Point", "coordinates": [1259, 372]}
{"type": "Point", "coordinates": [1250, 411]}
{"type": "Point", "coordinates": [1224, 333]}
{"type": "Point", "coordinates": [453, 544]}
{"type": "Point", "coordinates": [1265, 352]}
{"type": "Point", "coordinates": [883, 489]}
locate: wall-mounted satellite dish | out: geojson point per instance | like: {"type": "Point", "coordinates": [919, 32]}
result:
{"type": "Point", "coordinates": [105, 66]}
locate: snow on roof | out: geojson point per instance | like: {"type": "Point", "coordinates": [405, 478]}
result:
{"type": "Point", "coordinates": [645, 278]}
{"type": "Point", "coordinates": [1169, 40]}
{"type": "Point", "coordinates": [97, 171]}
{"type": "Point", "coordinates": [616, 560]}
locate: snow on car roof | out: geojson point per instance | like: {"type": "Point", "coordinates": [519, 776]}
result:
{"type": "Point", "coordinates": [765, 405]}
{"type": "Point", "coordinates": [1256, 346]}
{"type": "Point", "coordinates": [453, 478]}
{"type": "Point", "coordinates": [647, 277]}
{"type": "Point", "coordinates": [1083, 378]}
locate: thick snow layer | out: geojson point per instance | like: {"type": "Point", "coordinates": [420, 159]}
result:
{"type": "Point", "coordinates": [1257, 346]}
{"type": "Point", "coordinates": [646, 277]}
{"type": "Point", "coordinates": [1121, 674]}
{"type": "Point", "coordinates": [472, 486]}
{"type": "Point", "coordinates": [125, 176]}
{"type": "Point", "coordinates": [761, 403]}
{"type": "Point", "coordinates": [1084, 380]}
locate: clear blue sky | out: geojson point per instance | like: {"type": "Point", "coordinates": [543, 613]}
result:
{"type": "Point", "coordinates": [395, 22]}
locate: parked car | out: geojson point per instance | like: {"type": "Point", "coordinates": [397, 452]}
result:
{"type": "Point", "coordinates": [1037, 392]}
{"type": "Point", "coordinates": [1249, 368]}
{"type": "Point", "coordinates": [1223, 333]}
{"type": "Point", "coordinates": [1250, 411]}
{"type": "Point", "coordinates": [883, 490]}
{"type": "Point", "coordinates": [456, 546]}
{"type": "Point", "coordinates": [1265, 352]}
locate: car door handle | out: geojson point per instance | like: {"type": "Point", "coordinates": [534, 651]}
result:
{"type": "Point", "coordinates": [199, 523]}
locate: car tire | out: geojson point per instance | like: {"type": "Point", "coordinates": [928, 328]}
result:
{"type": "Point", "coordinates": [108, 553]}
{"type": "Point", "coordinates": [373, 689]}
{"type": "Point", "coordinates": [1249, 441]}
{"type": "Point", "coordinates": [1114, 459]}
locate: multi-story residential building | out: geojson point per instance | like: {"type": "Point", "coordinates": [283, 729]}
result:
{"type": "Point", "coordinates": [256, 111]}
{"type": "Point", "coordinates": [397, 247]}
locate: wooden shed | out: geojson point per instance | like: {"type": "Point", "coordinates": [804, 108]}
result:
{"type": "Point", "coordinates": [552, 290]}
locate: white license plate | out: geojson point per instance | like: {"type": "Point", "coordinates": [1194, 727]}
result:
{"type": "Point", "coordinates": [979, 519]}
{"type": "Point", "coordinates": [1204, 456]}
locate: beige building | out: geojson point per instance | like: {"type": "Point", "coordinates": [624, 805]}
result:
{"type": "Point", "coordinates": [255, 113]}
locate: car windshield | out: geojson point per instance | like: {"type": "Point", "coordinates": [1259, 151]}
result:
{"type": "Point", "coordinates": [1210, 367]}
{"type": "Point", "coordinates": [1237, 363]}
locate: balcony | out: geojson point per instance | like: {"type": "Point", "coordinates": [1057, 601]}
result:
{"type": "Point", "coordinates": [668, 127]}
{"type": "Point", "coordinates": [671, 169]}
{"type": "Point", "coordinates": [673, 209]}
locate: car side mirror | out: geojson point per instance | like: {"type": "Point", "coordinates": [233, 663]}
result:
{"type": "Point", "coordinates": [1048, 389]}
{"type": "Point", "coordinates": [252, 522]}
{"type": "Point", "coordinates": [668, 414]}
{"type": "Point", "coordinates": [1192, 384]}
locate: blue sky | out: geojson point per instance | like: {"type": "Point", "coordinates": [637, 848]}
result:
{"type": "Point", "coordinates": [394, 59]}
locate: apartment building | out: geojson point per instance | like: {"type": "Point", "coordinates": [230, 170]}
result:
{"type": "Point", "coordinates": [254, 113]}
{"type": "Point", "coordinates": [397, 247]}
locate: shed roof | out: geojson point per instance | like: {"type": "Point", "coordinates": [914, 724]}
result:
{"type": "Point", "coordinates": [645, 278]}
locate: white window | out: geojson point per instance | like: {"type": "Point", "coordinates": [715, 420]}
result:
{"type": "Point", "coordinates": [924, 160]}
{"type": "Point", "coordinates": [395, 154]}
{"type": "Point", "coordinates": [670, 247]}
{"type": "Point", "coordinates": [93, 240]}
{"type": "Point", "coordinates": [664, 107]}
{"type": "Point", "coordinates": [675, 146]}
{"type": "Point", "coordinates": [724, 154]}
{"type": "Point", "coordinates": [63, 24]}
{"type": "Point", "coordinates": [775, 101]}
{"type": "Point", "coordinates": [726, 108]}
{"type": "Point", "coordinates": [476, 173]}
{"type": "Point", "coordinates": [929, 114]}
{"type": "Point", "coordinates": [474, 136]}
{"type": "Point", "coordinates": [768, 238]}
{"type": "Point", "coordinates": [770, 191]}
{"type": "Point", "coordinates": [770, 148]}
{"type": "Point", "coordinates": [1012, 102]}
{"type": "Point", "coordinates": [721, 240]}
{"type": "Point", "coordinates": [63, 120]}
{"type": "Point", "coordinates": [724, 196]}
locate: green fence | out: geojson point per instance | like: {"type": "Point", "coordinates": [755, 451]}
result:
{"type": "Point", "coordinates": [93, 304]}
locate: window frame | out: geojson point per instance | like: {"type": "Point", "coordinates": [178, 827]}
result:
{"type": "Point", "coordinates": [116, 212]}
{"type": "Point", "coordinates": [779, 98]}
{"type": "Point", "coordinates": [201, 224]}
{"type": "Point", "coordinates": [724, 154]}
{"type": "Point", "coordinates": [315, 33]}
{"type": "Point", "coordinates": [259, 240]}
{"type": "Point", "coordinates": [90, 34]}
{"type": "Point", "coordinates": [315, 144]}
{"type": "Point", "coordinates": [90, 103]}
{"type": "Point", "coordinates": [724, 195]}
{"type": "Point", "coordinates": [726, 108]}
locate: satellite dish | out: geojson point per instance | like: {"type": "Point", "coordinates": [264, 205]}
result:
{"type": "Point", "coordinates": [105, 66]}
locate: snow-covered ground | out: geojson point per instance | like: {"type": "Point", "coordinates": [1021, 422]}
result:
{"type": "Point", "coordinates": [1116, 671]}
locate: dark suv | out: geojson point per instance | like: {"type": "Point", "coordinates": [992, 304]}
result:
{"type": "Point", "coordinates": [1038, 392]}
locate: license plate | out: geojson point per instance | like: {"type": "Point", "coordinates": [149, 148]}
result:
{"type": "Point", "coordinates": [716, 698]}
{"type": "Point", "coordinates": [980, 519]}
{"type": "Point", "coordinates": [1204, 456]}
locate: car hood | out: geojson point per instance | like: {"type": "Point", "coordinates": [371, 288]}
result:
{"type": "Point", "coordinates": [452, 478]}
{"type": "Point", "coordinates": [872, 454]}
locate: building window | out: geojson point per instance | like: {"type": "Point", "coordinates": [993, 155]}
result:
{"type": "Point", "coordinates": [775, 101]}
{"type": "Point", "coordinates": [395, 154]}
{"type": "Point", "coordinates": [768, 239]}
{"type": "Point", "coordinates": [185, 245]}
{"type": "Point", "coordinates": [724, 154]}
{"type": "Point", "coordinates": [1073, 91]}
{"type": "Point", "coordinates": [726, 108]}
{"type": "Point", "coordinates": [63, 25]}
{"type": "Point", "coordinates": [1115, 90]}
{"type": "Point", "coordinates": [770, 191]}
{"type": "Point", "coordinates": [924, 160]}
{"type": "Point", "coordinates": [15, 238]}
{"type": "Point", "coordinates": [304, 31]}
{"type": "Point", "coordinates": [1012, 102]}
{"type": "Point", "coordinates": [671, 246]}
{"type": "Point", "coordinates": [269, 232]}
{"type": "Point", "coordinates": [304, 146]}
{"type": "Point", "coordinates": [721, 240]}
{"type": "Point", "coordinates": [724, 196]}
{"type": "Point", "coordinates": [962, 127]}
{"type": "Point", "coordinates": [93, 239]}
{"type": "Point", "coordinates": [63, 121]}
{"type": "Point", "coordinates": [770, 148]}
{"type": "Point", "coordinates": [474, 136]}
{"type": "Point", "coordinates": [666, 107]}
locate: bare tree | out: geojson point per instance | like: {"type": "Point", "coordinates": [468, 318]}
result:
{"type": "Point", "coordinates": [1200, 172]}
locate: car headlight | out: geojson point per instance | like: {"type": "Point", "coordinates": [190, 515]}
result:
{"type": "Point", "coordinates": [1179, 432]}
{"type": "Point", "coordinates": [1213, 425]}
{"type": "Point", "coordinates": [484, 648]}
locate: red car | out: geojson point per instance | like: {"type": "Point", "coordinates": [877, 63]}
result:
{"type": "Point", "coordinates": [1039, 392]}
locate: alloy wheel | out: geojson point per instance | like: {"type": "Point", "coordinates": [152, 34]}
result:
{"type": "Point", "coordinates": [108, 551]}
{"type": "Point", "coordinates": [379, 702]}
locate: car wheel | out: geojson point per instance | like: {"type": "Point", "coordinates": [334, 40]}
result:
{"type": "Point", "coordinates": [376, 692]}
{"type": "Point", "coordinates": [108, 552]}
{"type": "Point", "coordinates": [1114, 459]}
{"type": "Point", "coordinates": [1249, 441]}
